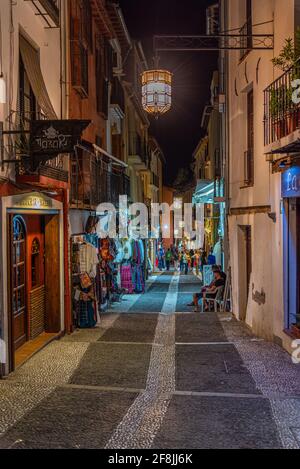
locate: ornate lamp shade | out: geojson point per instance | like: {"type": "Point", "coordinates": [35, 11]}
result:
{"type": "Point", "coordinates": [157, 91]}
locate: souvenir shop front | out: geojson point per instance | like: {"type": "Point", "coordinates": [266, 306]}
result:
{"type": "Point", "coordinates": [211, 195]}
{"type": "Point", "coordinates": [291, 248]}
{"type": "Point", "coordinates": [103, 270]}
{"type": "Point", "coordinates": [32, 285]}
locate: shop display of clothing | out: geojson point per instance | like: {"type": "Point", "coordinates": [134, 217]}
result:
{"type": "Point", "coordinates": [126, 278]}
{"type": "Point", "coordinates": [88, 259]}
{"type": "Point", "coordinates": [102, 271]}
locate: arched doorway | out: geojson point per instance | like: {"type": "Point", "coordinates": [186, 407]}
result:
{"type": "Point", "coordinates": [18, 260]}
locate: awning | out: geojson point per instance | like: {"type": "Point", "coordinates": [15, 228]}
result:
{"type": "Point", "coordinates": [31, 61]}
{"type": "Point", "coordinates": [205, 192]}
{"type": "Point", "coordinates": [111, 157]}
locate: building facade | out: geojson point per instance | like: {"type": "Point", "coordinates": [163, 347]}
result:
{"type": "Point", "coordinates": [74, 136]}
{"type": "Point", "coordinates": [261, 131]}
{"type": "Point", "coordinates": [34, 305]}
{"type": "Point", "coordinates": [209, 174]}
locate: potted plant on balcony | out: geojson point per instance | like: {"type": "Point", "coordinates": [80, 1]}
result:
{"type": "Point", "coordinates": [277, 111]}
{"type": "Point", "coordinates": [281, 103]}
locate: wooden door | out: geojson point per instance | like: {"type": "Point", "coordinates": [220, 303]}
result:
{"type": "Point", "coordinates": [248, 237]}
{"type": "Point", "coordinates": [35, 274]}
{"type": "Point", "coordinates": [52, 274]}
{"type": "Point", "coordinates": [18, 283]}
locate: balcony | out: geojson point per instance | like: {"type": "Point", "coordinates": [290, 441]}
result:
{"type": "Point", "coordinates": [138, 154]}
{"type": "Point", "coordinates": [93, 182]}
{"type": "Point", "coordinates": [282, 115]}
{"type": "Point", "coordinates": [50, 174]}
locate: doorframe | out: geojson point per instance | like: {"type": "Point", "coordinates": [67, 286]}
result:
{"type": "Point", "coordinates": [18, 205]}
{"type": "Point", "coordinates": [11, 337]}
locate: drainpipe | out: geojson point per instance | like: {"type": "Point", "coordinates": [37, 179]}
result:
{"type": "Point", "coordinates": [67, 283]}
{"type": "Point", "coordinates": [65, 52]}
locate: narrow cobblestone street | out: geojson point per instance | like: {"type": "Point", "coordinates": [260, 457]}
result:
{"type": "Point", "coordinates": [149, 378]}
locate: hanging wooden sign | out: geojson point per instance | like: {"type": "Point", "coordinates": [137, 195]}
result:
{"type": "Point", "coordinates": [49, 139]}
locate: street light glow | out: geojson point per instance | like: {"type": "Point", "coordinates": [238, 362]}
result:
{"type": "Point", "coordinates": [157, 92]}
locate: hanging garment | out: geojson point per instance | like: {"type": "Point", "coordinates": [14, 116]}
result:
{"type": "Point", "coordinates": [138, 282]}
{"type": "Point", "coordinates": [127, 248]}
{"type": "Point", "coordinates": [86, 315]}
{"type": "Point", "coordinates": [105, 249]}
{"type": "Point", "coordinates": [126, 278]}
{"type": "Point", "coordinates": [88, 259]}
{"type": "Point", "coordinates": [120, 253]}
{"type": "Point", "coordinates": [142, 250]}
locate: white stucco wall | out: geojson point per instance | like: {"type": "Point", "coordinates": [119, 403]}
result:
{"type": "Point", "coordinates": [47, 42]}
{"type": "Point", "coordinates": [256, 71]}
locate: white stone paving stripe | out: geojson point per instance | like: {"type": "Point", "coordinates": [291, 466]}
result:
{"type": "Point", "coordinates": [143, 420]}
{"type": "Point", "coordinates": [170, 303]}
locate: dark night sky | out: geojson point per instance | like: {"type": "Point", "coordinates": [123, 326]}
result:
{"type": "Point", "coordinates": [179, 131]}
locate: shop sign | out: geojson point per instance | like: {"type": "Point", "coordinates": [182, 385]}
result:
{"type": "Point", "coordinates": [33, 201]}
{"type": "Point", "coordinates": [49, 139]}
{"type": "Point", "coordinates": [291, 182]}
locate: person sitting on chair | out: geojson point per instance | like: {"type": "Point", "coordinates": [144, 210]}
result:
{"type": "Point", "coordinates": [199, 296]}
{"type": "Point", "coordinates": [211, 293]}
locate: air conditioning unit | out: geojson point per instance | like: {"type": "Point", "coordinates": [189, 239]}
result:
{"type": "Point", "coordinates": [213, 20]}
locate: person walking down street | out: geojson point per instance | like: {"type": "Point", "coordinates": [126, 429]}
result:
{"type": "Point", "coordinates": [192, 262]}
{"type": "Point", "coordinates": [211, 260]}
{"type": "Point", "coordinates": [181, 263]}
{"type": "Point", "coordinates": [197, 261]}
{"type": "Point", "coordinates": [203, 261]}
{"type": "Point", "coordinates": [161, 258]}
{"type": "Point", "coordinates": [185, 263]}
{"type": "Point", "coordinates": [168, 259]}
{"type": "Point", "coordinates": [176, 259]}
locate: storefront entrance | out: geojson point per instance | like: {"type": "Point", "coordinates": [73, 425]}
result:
{"type": "Point", "coordinates": [291, 248]}
{"type": "Point", "coordinates": [34, 280]}
{"type": "Point", "coordinates": [292, 261]}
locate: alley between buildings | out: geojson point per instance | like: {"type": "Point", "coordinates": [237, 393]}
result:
{"type": "Point", "coordinates": [155, 375]}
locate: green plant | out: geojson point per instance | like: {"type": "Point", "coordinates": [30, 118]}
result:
{"type": "Point", "coordinates": [287, 60]}
{"type": "Point", "coordinates": [290, 53]}
{"type": "Point", "coordinates": [278, 97]}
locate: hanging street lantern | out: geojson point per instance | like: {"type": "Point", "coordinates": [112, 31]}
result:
{"type": "Point", "coordinates": [157, 91]}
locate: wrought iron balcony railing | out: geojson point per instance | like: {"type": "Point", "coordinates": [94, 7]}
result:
{"type": "Point", "coordinates": [51, 169]}
{"type": "Point", "coordinates": [281, 114]}
{"type": "Point", "coordinates": [94, 182]}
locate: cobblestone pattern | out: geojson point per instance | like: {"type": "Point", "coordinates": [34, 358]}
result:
{"type": "Point", "coordinates": [275, 376]}
{"type": "Point", "coordinates": [43, 373]}
{"type": "Point", "coordinates": [143, 420]}
{"type": "Point", "coordinates": [50, 368]}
